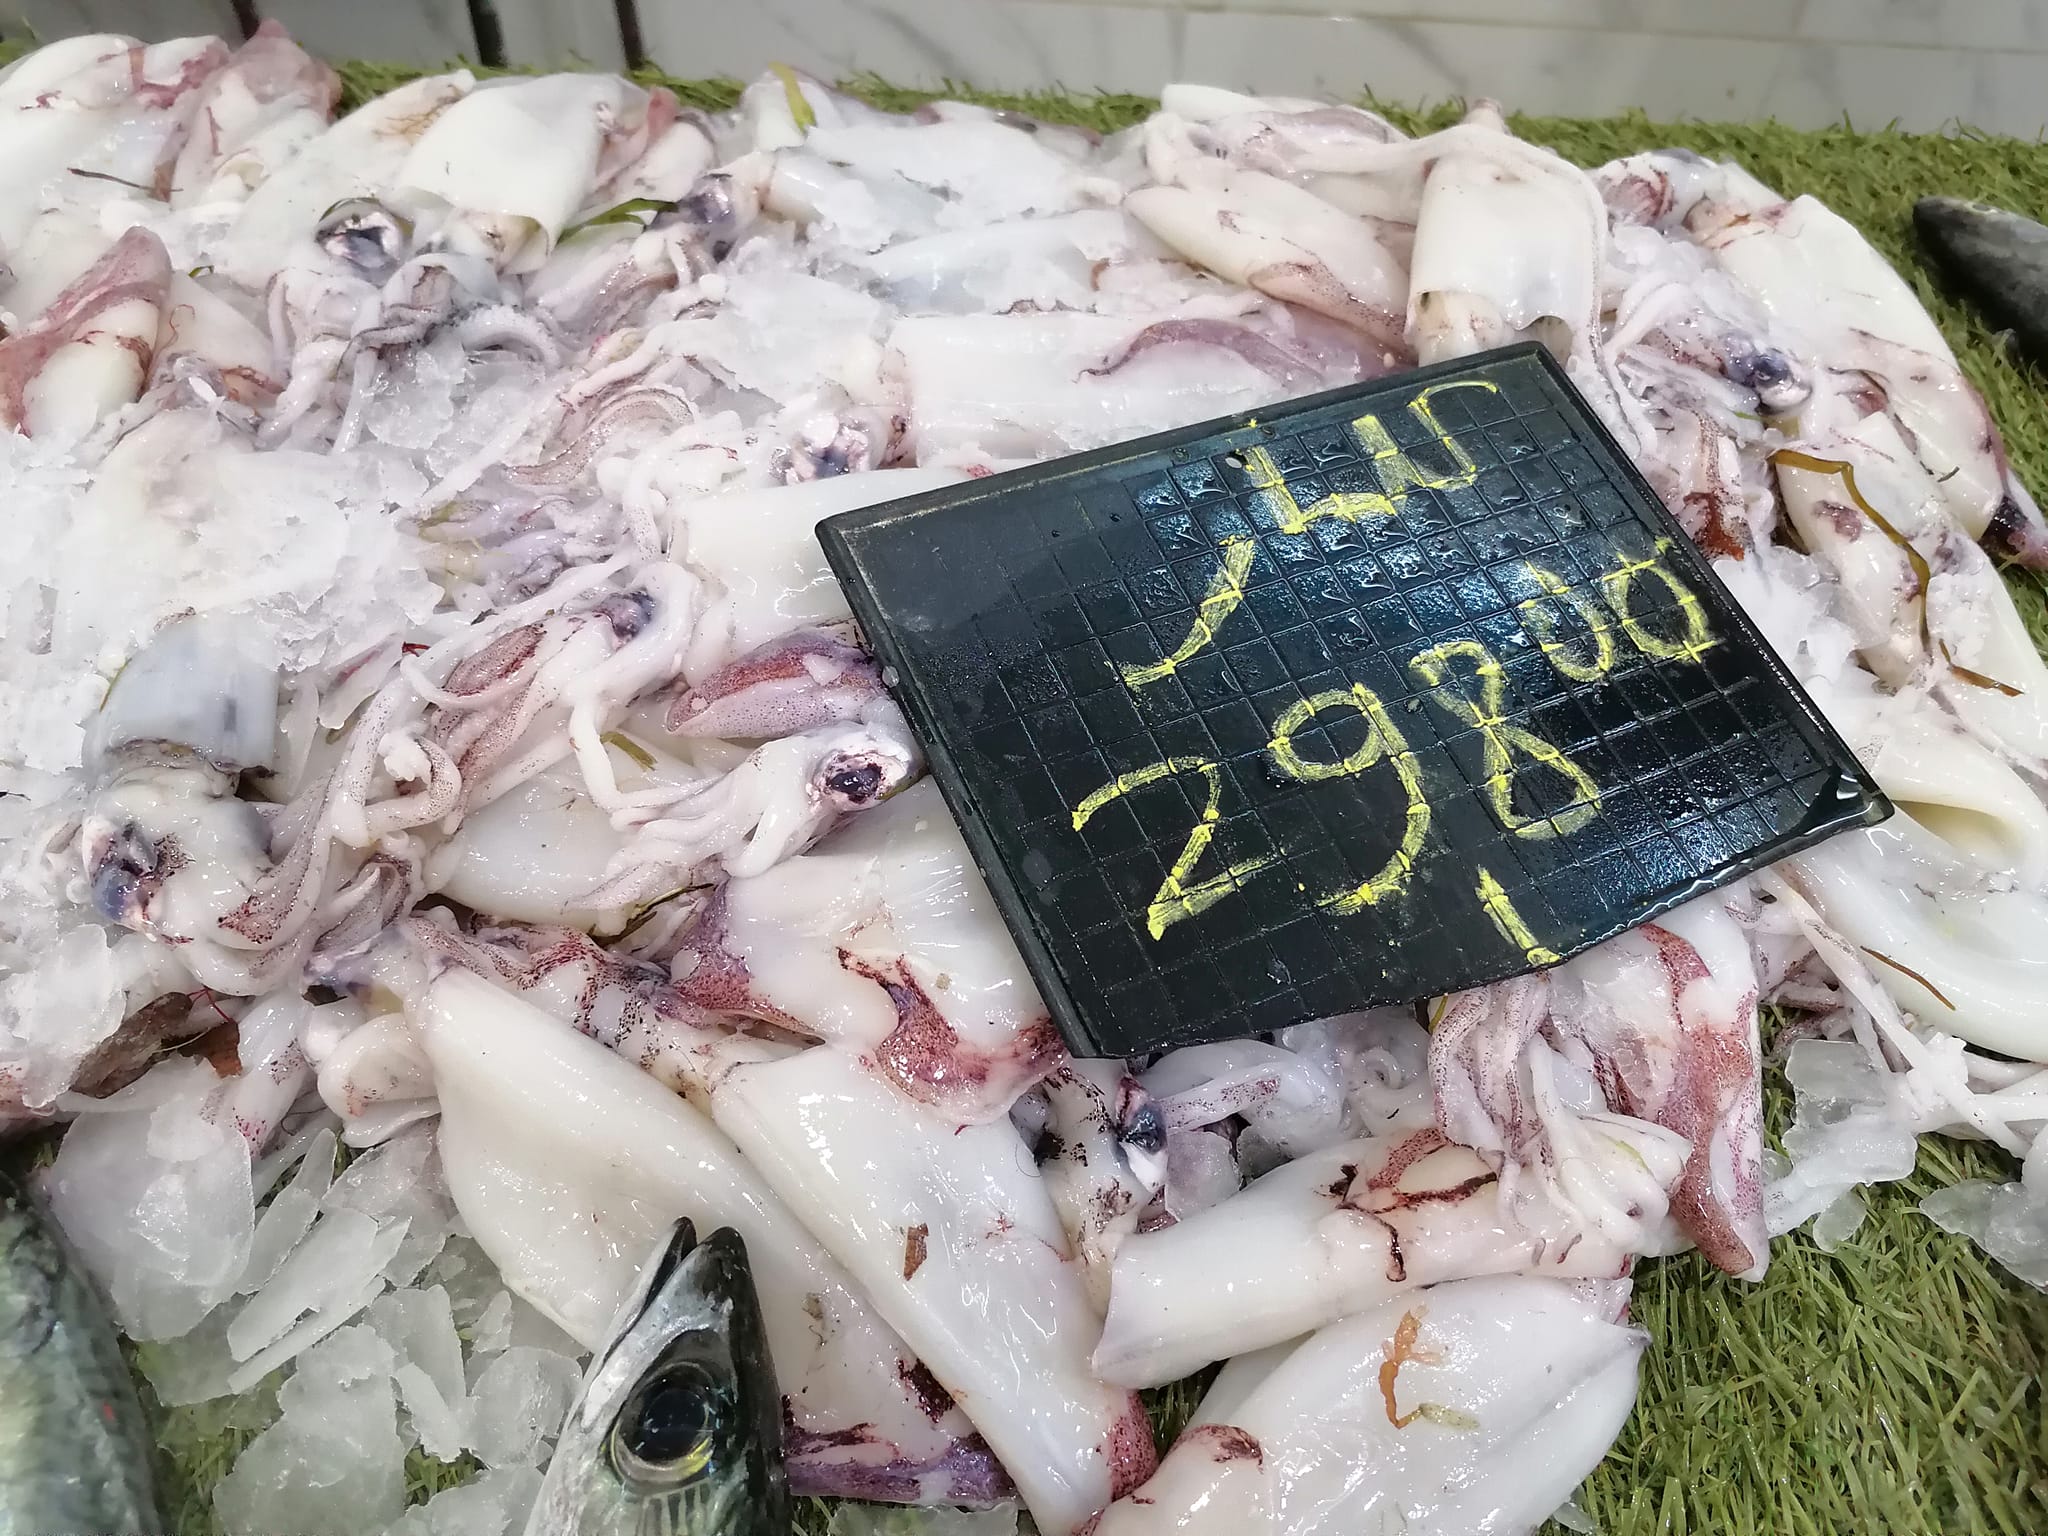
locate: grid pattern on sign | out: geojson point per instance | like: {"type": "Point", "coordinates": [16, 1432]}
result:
{"type": "Point", "coordinates": [1527, 595]}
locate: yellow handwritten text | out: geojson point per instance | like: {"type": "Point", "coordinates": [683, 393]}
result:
{"type": "Point", "coordinates": [1226, 591]}
{"type": "Point", "coordinates": [1398, 474]}
{"type": "Point", "coordinates": [1288, 514]}
{"type": "Point", "coordinates": [1509, 921]}
{"type": "Point", "coordinates": [1176, 898]}
{"type": "Point", "coordinates": [1384, 739]}
{"type": "Point", "coordinates": [1541, 623]}
{"type": "Point", "coordinates": [1696, 637]}
{"type": "Point", "coordinates": [1503, 741]}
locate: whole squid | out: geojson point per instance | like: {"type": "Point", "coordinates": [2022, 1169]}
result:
{"type": "Point", "coordinates": [1854, 320]}
{"type": "Point", "coordinates": [1341, 1230]}
{"type": "Point", "coordinates": [1474, 1406]}
{"type": "Point", "coordinates": [949, 1231]}
{"type": "Point", "coordinates": [1659, 1025]}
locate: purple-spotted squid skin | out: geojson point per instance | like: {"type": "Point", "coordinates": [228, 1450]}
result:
{"type": "Point", "coordinates": [967, 1472]}
{"type": "Point", "coordinates": [925, 1058]}
{"type": "Point", "coordinates": [1712, 1098]}
{"type": "Point", "coordinates": [1716, 1093]}
{"type": "Point", "coordinates": [841, 1463]}
{"type": "Point", "coordinates": [1268, 356]}
{"type": "Point", "coordinates": [136, 267]}
{"type": "Point", "coordinates": [387, 885]}
{"type": "Point", "coordinates": [523, 957]}
{"type": "Point", "coordinates": [708, 975]}
{"type": "Point", "coordinates": [1312, 285]}
{"type": "Point", "coordinates": [792, 684]}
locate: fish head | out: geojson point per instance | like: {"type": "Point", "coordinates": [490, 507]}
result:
{"type": "Point", "coordinates": [678, 1428]}
{"type": "Point", "coordinates": [1997, 255]}
{"type": "Point", "coordinates": [1941, 213]}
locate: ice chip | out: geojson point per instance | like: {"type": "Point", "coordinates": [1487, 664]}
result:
{"type": "Point", "coordinates": [420, 1328]}
{"type": "Point", "coordinates": [466, 1273]}
{"type": "Point", "coordinates": [533, 1329]}
{"type": "Point", "coordinates": [54, 1012]}
{"type": "Point", "coordinates": [400, 1178]}
{"type": "Point", "coordinates": [296, 548]}
{"type": "Point", "coordinates": [2008, 1221]}
{"type": "Point", "coordinates": [1859, 1144]}
{"type": "Point", "coordinates": [1838, 1223]}
{"type": "Point", "coordinates": [157, 1200]}
{"type": "Point", "coordinates": [302, 1336]}
{"type": "Point", "coordinates": [780, 332]}
{"type": "Point", "coordinates": [414, 403]}
{"type": "Point", "coordinates": [507, 1320]}
{"type": "Point", "coordinates": [290, 1147]}
{"type": "Point", "coordinates": [493, 1331]}
{"type": "Point", "coordinates": [439, 1425]}
{"type": "Point", "coordinates": [339, 1257]}
{"type": "Point", "coordinates": [1834, 1070]}
{"type": "Point", "coordinates": [332, 1464]}
{"type": "Point", "coordinates": [517, 1403]}
{"type": "Point", "coordinates": [1963, 1208]}
{"type": "Point", "coordinates": [290, 1214]}
{"type": "Point", "coordinates": [195, 1367]}
{"type": "Point", "coordinates": [496, 1504]}
{"type": "Point", "coordinates": [1853, 1136]}
{"type": "Point", "coordinates": [509, 399]}
{"type": "Point", "coordinates": [352, 1355]}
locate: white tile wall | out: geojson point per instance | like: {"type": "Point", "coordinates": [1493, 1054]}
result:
{"type": "Point", "coordinates": [150, 19]}
{"type": "Point", "coordinates": [413, 32]}
{"type": "Point", "coordinates": [561, 32]}
{"type": "Point", "coordinates": [1923, 63]}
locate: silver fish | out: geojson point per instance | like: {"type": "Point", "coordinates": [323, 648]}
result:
{"type": "Point", "coordinates": [1998, 260]}
{"type": "Point", "coordinates": [74, 1446]}
{"type": "Point", "coordinates": [677, 1431]}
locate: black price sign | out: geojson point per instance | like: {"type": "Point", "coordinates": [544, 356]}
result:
{"type": "Point", "coordinates": [1379, 694]}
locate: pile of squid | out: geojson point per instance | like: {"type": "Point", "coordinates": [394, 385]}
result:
{"type": "Point", "coordinates": [428, 727]}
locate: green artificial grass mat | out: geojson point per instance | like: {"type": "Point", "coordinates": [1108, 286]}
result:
{"type": "Point", "coordinates": [1890, 1387]}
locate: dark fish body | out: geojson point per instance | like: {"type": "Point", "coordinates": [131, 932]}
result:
{"type": "Point", "coordinates": [1998, 260]}
{"type": "Point", "coordinates": [678, 1428]}
{"type": "Point", "coordinates": [74, 1446]}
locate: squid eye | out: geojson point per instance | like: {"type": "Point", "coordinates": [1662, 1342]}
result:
{"type": "Point", "coordinates": [668, 1432]}
{"type": "Point", "coordinates": [1145, 1130]}
{"type": "Point", "coordinates": [365, 235]}
{"type": "Point", "coordinates": [628, 613]}
{"type": "Point", "coordinates": [712, 209]}
{"type": "Point", "coordinates": [856, 785]}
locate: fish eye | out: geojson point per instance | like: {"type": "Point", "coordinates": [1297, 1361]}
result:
{"type": "Point", "coordinates": [668, 1430]}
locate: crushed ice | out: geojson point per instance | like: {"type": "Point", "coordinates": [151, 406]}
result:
{"type": "Point", "coordinates": [396, 1329]}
